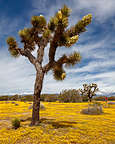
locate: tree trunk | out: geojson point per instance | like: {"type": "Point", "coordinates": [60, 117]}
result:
{"type": "Point", "coordinates": [36, 100]}
{"type": "Point", "coordinates": [90, 100]}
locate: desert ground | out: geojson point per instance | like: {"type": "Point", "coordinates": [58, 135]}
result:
{"type": "Point", "coordinates": [61, 123]}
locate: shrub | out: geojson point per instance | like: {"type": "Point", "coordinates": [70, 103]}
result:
{"type": "Point", "coordinates": [70, 96]}
{"type": "Point", "coordinates": [4, 98]}
{"type": "Point", "coordinates": [112, 98]}
{"type": "Point", "coordinates": [16, 123]}
{"type": "Point", "coordinates": [92, 111]}
{"type": "Point", "coordinates": [94, 108]}
{"type": "Point", "coordinates": [84, 98]}
{"type": "Point", "coordinates": [26, 98]}
{"type": "Point", "coordinates": [99, 98]}
{"type": "Point", "coordinates": [49, 97]}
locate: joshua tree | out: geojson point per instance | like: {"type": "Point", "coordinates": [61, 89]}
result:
{"type": "Point", "coordinates": [56, 33]}
{"type": "Point", "coordinates": [89, 90]}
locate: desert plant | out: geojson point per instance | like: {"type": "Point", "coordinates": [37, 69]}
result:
{"type": "Point", "coordinates": [49, 97]}
{"type": "Point", "coordinates": [71, 95]}
{"type": "Point", "coordinates": [94, 108]}
{"type": "Point", "coordinates": [111, 98]}
{"type": "Point", "coordinates": [57, 35]}
{"type": "Point", "coordinates": [92, 111]}
{"type": "Point", "coordinates": [89, 90]}
{"type": "Point", "coordinates": [16, 123]}
{"type": "Point", "coordinates": [99, 98]}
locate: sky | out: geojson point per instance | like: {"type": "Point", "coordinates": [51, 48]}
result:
{"type": "Point", "coordinates": [96, 46]}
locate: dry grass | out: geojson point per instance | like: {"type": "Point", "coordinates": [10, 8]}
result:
{"type": "Point", "coordinates": [61, 123]}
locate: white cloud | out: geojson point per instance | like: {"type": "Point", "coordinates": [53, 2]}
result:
{"type": "Point", "coordinates": [101, 9]}
{"type": "Point", "coordinates": [93, 66]}
{"type": "Point", "coordinates": [18, 75]}
{"type": "Point", "coordinates": [104, 80]}
{"type": "Point", "coordinates": [15, 74]}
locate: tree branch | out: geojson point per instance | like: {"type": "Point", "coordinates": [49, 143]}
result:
{"type": "Point", "coordinates": [40, 51]}
{"type": "Point", "coordinates": [27, 54]}
{"type": "Point", "coordinates": [61, 61]}
{"type": "Point", "coordinates": [48, 66]}
{"type": "Point", "coordinates": [54, 43]}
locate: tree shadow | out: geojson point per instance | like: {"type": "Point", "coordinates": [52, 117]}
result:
{"type": "Point", "coordinates": [27, 119]}
{"type": "Point", "coordinates": [55, 124]}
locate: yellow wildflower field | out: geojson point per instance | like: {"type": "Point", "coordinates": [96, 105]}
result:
{"type": "Point", "coordinates": [61, 123]}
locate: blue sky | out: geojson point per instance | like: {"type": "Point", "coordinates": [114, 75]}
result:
{"type": "Point", "coordinates": [97, 46]}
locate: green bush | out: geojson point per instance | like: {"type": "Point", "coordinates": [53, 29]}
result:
{"type": "Point", "coordinates": [4, 98]}
{"type": "Point", "coordinates": [49, 97]}
{"type": "Point", "coordinates": [27, 98]}
{"type": "Point", "coordinates": [99, 98]}
{"type": "Point", "coordinates": [70, 96]}
{"type": "Point", "coordinates": [85, 98]}
{"type": "Point", "coordinates": [16, 123]}
{"type": "Point", "coordinates": [112, 98]}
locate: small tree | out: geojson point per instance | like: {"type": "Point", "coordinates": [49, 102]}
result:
{"type": "Point", "coordinates": [57, 35]}
{"type": "Point", "coordinates": [89, 90]}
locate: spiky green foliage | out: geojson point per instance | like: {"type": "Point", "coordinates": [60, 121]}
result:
{"type": "Point", "coordinates": [80, 26]}
{"type": "Point", "coordinates": [52, 24]}
{"type": "Point", "coordinates": [60, 19]}
{"type": "Point", "coordinates": [47, 33]}
{"type": "Point", "coordinates": [87, 19]}
{"type": "Point", "coordinates": [27, 38]}
{"type": "Point", "coordinates": [13, 47]}
{"type": "Point", "coordinates": [65, 11]}
{"type": "Point", "coordinates": [58, 72]}
{"type": "Point", "coordinates": [38, 21]}
{"type": "Point", "coordinates": [25, 34]}
{"type": "Point", "coordinates": [71, 40]}
{"type": "Point", "coordinates": [73, 59]}
{"type": "Point", "coordinates": [10, 40]}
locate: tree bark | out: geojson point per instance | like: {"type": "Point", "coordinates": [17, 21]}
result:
{"type": "Point", "coordinates": [36, 100]}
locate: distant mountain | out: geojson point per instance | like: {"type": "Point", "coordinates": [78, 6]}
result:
{"type": "Point", "coordinates": [108, 94]}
